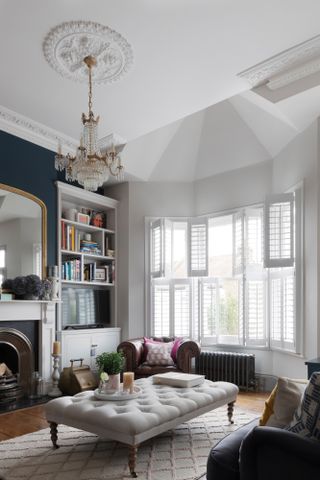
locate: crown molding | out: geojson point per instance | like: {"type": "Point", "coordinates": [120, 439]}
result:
{"type": "Point", "coordinates": [287, 67]}
{"type": "Point", "coordinates": [34, 132]}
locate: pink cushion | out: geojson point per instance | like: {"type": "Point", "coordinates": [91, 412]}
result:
{"type": "Point", "coordinates": [174, 351]}
{"type": "Point", "coordinates": [159, 353]}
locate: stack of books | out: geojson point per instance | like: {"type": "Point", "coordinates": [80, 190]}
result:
{"type": "Point", "coordinates": [71, 270]}
{"type": "Point", "coordinates": [89, 246]}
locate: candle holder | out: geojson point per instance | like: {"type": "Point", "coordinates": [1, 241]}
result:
{"type": "Point", "coordinates": [55, 390]}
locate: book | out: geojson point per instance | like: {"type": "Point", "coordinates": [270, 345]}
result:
{"type": "Point", "coordinates": [176, 379]}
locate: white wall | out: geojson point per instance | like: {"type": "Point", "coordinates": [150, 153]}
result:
{"type": "Point", "coordinates": [244, 186]}
{"type": "Point", "coordinates": [300, 161]}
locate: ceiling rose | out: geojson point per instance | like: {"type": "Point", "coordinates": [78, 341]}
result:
{"type": "Point", "coordinates": [66, 45]}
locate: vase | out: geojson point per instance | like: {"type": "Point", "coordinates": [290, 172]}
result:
{"type": "Point", "coordinates": [114, 382]}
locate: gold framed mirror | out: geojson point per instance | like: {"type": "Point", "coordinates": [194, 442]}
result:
{"type": "Point", "coordinates": [23, 232]}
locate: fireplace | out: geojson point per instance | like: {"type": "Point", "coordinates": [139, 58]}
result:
{"type": "Point", "coordinates": [17, 354]}
{"type": "Point", "coordinates": [27, 333]}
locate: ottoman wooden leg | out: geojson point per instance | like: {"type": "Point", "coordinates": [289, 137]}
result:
{"type": "Point", "coordinates": [133, 449]}
{"type": "Point", "coordinates": [54, 434]}
{"type": "Point", "coordinates": [230, 411]}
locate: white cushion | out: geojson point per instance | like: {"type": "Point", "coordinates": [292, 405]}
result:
{"type": "Point", "coordinates": [287, 400]}
{"type": "Point", "coordinates": [159, 354]}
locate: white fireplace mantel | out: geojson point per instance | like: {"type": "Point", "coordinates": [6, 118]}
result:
{"type": "Point", "coordinates": [42, 311]}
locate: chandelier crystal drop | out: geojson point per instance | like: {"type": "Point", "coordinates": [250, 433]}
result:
{"type": "Point", "coordinates": [89, 167]}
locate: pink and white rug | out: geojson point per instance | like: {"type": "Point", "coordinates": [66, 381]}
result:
{"type": "Point", "coordinates": [179, 454]}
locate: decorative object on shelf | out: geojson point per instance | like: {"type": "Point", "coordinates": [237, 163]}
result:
{"type": "Point", "coordinates": [5, 295]}
{"type": "Point", "coordinates": [98, 219]}
{"type": "Point", "coordinates": [46, 290]}
{"type": "Point", "coordinates": [112, 363]}
{"type": "Point", "coordinates": [89, 167]}
{"type": "Point", "coordinates": [24, 288]}
{"type": "Point", "coordinates": [53, 277]}
{"type": "Point", "coordinates": [83, 218]}
{"type": "Point", "coordinates": [55, 390]}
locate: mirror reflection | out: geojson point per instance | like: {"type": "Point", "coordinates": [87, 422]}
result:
{"type": "Point", "coordinates": [20, 236]}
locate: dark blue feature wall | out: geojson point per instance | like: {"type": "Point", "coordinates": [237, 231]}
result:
{"type": "Point", "coordinates": [31, 168]}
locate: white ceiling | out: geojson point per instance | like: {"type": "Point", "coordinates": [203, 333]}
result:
{"type": "Point", "coordinates": [173, 105]}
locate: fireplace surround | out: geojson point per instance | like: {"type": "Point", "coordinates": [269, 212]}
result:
{"type": "Point", "coordinates": [34, 352]}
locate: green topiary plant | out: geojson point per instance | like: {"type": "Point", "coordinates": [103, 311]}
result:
{"type": "Point", "coordinates": [111, 363]}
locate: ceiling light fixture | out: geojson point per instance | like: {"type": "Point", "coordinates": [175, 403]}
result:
{"type": "Point", "coordinates": [89, 167]}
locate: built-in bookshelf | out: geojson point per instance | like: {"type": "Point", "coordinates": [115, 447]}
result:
{"type": "Point", "coordinates": [87, 260]}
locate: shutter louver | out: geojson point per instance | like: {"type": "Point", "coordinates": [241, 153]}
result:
{"type": "Point", "coordinates": [157, 269]}
{"type": "Point", "coordinates": [255, 312]}
{"type": "Point", "coordinates": [161, 309]}
{"type": "Point", "coordinates": [238, 244]}
{"type": "Point", "coordinates": [198, 248]}
{"type": "Point", "coordinates": [182, 310]}
{"type": "Point", "coordinates": [209, 311]}
{"type": "Point", "coordinates": [276, 311]}
{"type": "Point", "coordinates": [279, 231]}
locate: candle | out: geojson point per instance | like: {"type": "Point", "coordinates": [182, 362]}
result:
{"type": "Point", "coordinates": [128, 380]}
{"type": "Point", "coordinates": [56, 349]}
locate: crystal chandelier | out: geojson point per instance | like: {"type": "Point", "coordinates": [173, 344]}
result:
{"type": "Point", "coordinates": [89, 167]}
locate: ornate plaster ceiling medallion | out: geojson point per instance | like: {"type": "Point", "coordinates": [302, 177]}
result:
{"type": "Point", "coordinates": [67, 44]}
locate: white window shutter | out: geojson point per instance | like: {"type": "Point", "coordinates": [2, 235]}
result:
{"type": "Point", "coordinates": [254, 238]}
{"type": "Point", "coordinates": [279, 231]}
{"type": "Point", "coordinates": [198, 247]}
{"type": "Point", "coordinates": [167, 248]}
{"type": "Point", "coordinates": [182, 308]}
{"type": "Point", "coordinates": [238, 243]}
{"type": "Point", "coordinates": [209, 310]}
{"type": "Point", "coordinates": [255, 312]}
{"type": "Point", "coordinates": [161, 308]}
{"type": "Point", "coordinates": [157, 248]}
{"type": "Point", "coordinates": [283, 309]}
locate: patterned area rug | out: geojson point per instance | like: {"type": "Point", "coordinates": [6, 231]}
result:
{"type": "Point", "coordinates": [179, 454]}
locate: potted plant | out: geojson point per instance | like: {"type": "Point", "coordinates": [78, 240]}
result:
{"type": "Point", "coordinates": [111, 363]}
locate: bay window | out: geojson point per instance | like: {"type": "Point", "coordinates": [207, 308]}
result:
{"type": "Point", "coordinates": [229, 279]}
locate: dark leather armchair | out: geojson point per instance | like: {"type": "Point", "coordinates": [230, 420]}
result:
{"type": "Point", "coordinates": [262, 453]}
{"type": "Point", "coordinates": [134, 354]}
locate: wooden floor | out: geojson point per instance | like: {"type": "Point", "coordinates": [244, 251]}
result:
{"type": "Point", "coordinates": [32, 419]}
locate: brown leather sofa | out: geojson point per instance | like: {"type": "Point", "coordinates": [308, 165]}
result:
{"type": "Point", "coordinates": [134, 353]}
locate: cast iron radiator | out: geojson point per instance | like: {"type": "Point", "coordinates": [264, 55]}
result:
{"type": "Point", "coordinates": [238, 368]}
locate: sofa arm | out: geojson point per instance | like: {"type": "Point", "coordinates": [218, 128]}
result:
{"type": "Point", "coordinates": [293, 456]}
{"type": "Point", "coordinates": [133, 352]}
{"type": "Point", "coordinates": [186, 351]}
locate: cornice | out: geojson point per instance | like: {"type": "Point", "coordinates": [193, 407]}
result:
{"type": "Point", "coordinates": [287, 67]}
{"type": "Point", "coordinates": [34, 132]}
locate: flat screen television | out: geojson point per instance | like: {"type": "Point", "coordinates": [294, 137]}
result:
{"type": "Point", "coordinates": [85, 308]}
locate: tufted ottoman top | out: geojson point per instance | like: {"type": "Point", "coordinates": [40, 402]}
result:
{"type": "Point", "coordinates": [157, 409]}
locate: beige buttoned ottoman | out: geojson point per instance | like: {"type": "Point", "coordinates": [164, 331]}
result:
{"type": "Point", "coordinates": [157, 409]}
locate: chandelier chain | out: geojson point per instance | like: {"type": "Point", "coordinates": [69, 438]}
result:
{"type": "Point", "coordinates": [90, 89]}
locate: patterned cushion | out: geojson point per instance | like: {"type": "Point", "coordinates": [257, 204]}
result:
{"type": "Point", "coordinates": [159, 353]}
{"type": "Point", "coordinates": [307, 421]}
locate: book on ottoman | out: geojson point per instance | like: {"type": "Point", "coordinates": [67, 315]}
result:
{"type": "Point", "coordinates": [175, 379]}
